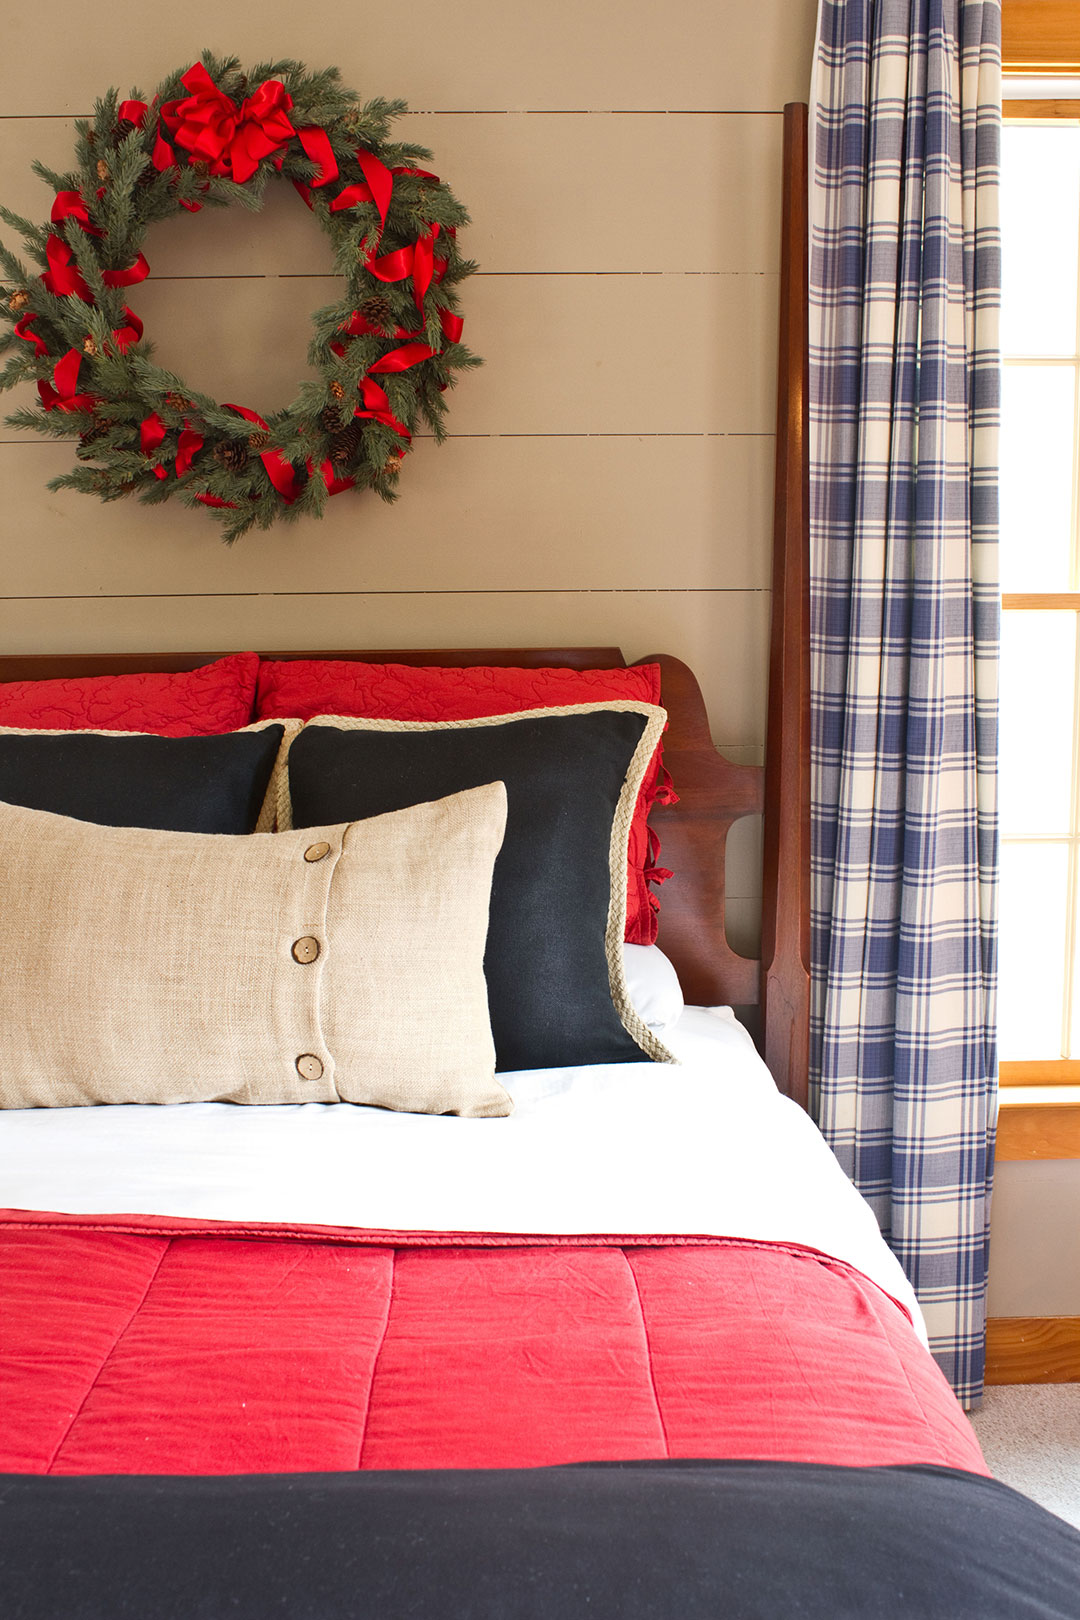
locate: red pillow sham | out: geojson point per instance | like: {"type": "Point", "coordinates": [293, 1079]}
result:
{"type": "Point", "coordinates": [302, 687]}
{"type": "Point", "coordinates": [193, 703]}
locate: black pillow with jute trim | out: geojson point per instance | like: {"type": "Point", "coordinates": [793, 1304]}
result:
{"type": "Point", "coordinates": [216, 784]}
{"type": "Point", "coordinates": [556, 986]}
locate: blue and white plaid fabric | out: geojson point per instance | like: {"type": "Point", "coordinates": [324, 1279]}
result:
{"type": "Point", "coordinates": [904, 294]}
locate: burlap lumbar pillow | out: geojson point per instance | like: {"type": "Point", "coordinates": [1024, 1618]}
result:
{"type": "Point", "coordinates": [338, 963]}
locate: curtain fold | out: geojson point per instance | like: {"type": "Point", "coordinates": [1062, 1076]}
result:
{"type": "Point", "coordinates": [904, 376]}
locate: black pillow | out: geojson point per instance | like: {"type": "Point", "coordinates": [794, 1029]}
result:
{"type": "Point", "coordinates": [553, 960]}
{"type": "Point", "coordinates": [176, 784]}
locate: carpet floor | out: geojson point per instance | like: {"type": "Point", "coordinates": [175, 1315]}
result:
{"type": "Point", "coordinates": [1030, 1436]}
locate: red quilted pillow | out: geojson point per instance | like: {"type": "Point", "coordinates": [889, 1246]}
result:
{"type": "Point", "coordinates": [195, 703]}
{"type": "Point", "coordinates": [302, 687]}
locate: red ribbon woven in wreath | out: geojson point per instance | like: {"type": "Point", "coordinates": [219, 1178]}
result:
{"type": "Point", "coordinates": [60, 395]}
{"type": "Point", "coordinates": [281, 473]}
{"type": "Point", "coordinates": [212, 128]}
{"type": "Point", "coordinates": [151, 436]}
{"type": "Point", "coordinates": [376, 406]}
{"type": "Point", "coordinates": [63, 277]}
{"type": "Point", "coordinates": [417, 261]}
{"type": "Point", "coordinates": [316, 143]}
{"type": "Point", "coordinates": [377, 187]}
{"type": "Point", "coordinates": [22, 330]}
{"type": "Point", "coordinates": [123, 336]}
{"type": "Point", "coordinates": [334, 484]}
{"type": "Point", "coordinates": [71, 205]}
{"type": "Point", "coordinates": [359, 326]}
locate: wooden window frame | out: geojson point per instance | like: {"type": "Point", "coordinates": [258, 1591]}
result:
{"type": "Point", "coordinates": [1040, 39]}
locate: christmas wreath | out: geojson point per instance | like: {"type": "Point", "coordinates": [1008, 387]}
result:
{"type": "Point", "coordinates": [384, 353]}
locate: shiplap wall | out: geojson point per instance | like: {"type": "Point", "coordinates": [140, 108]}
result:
{"type": "Point", "coordinates": [608, 476]}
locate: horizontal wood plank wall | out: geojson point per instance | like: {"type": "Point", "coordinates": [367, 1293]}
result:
{"type": "Point", "coordinates": [608, 477]}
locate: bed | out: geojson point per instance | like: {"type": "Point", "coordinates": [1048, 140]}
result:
{"type": "Point", "coordinates": [600, 1330]}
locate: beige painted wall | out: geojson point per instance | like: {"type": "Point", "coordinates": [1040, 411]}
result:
{"type": "Point", "coordinates": [1035, 1252]}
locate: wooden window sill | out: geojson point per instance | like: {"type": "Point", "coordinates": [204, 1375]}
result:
{"type": "Point", "coordinates": [1039, 1122]}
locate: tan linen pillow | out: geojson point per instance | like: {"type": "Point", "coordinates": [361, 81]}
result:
{"type": "Point", "coordinates": [332, 964]}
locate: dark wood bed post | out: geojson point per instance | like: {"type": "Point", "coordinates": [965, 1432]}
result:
{"type": "Point", "coordinates": [785, 923]}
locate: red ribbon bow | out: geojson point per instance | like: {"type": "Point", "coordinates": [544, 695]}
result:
{"type": "Point", "coordinates": [233, 140]}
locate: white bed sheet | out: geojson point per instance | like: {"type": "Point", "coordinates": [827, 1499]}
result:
{"type": "Point", "coordinates": [708, 1147]}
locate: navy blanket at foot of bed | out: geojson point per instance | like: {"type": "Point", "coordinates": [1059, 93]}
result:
{"type": "Point", "coordinates": [611, 1541]}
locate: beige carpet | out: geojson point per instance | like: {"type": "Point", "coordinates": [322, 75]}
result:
{"type": "Point", "coordinates": [1030, 1436]}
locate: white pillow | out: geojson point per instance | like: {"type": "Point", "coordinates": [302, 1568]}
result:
{"type": "Point", "coordinates": [655, 991]}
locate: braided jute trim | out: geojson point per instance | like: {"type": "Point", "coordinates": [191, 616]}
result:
{"type": "Point", "coordinates": [655, 721]}
{"type": "Point", "coordinates": [278, 775]}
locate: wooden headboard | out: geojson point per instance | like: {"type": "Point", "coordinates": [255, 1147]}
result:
{"type": "Point", "coordinates": [714, 792]}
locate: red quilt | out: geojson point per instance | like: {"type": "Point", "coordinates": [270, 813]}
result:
{"type": "Point", "coordinates": [139, 1345]}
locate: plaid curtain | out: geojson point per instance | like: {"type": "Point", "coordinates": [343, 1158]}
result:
{"type": "Point", "coordinates": [905, 279]}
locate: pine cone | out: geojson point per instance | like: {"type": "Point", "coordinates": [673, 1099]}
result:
{"type": "Point", "coordinates": [392, 465]}
{"type": "Point", "coordinates": [377, 310]}
{"type": "Point", "coordinates": [90, 346]}
{"type": "Point", "coordinates": [345, 443]}
{"type": "Point", "coordinates": [336, 389]}
{"type": "Point", "coordinates": [232, 454]}
{"type": "Point", "coordinates": [102, 170]}
{"type": "Point", "coordinates": [177, 402]}
{"type": "Point", "coordinates": [330, 419]}
{"type": "Point", "coordinates": [258, 441]}
{"type": "Point", "coordinates": [18, 300]}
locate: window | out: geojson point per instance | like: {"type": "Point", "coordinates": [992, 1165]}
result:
{"type": "Point", "coordinates": [1040, 546]}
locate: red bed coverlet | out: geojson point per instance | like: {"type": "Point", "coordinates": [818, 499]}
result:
{"type": "Point", "coordinates": [139, 1345]}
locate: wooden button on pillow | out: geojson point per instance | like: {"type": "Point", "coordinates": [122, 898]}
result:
{"type": "Point", "coordinates": [143, 966]}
